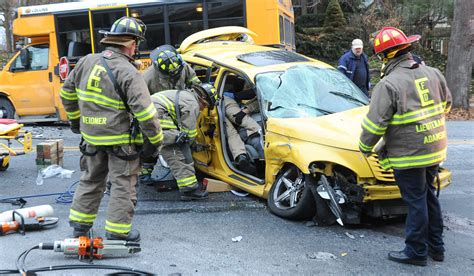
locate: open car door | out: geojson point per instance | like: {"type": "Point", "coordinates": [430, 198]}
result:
{"type": "Point", "coordinates": [218, 34]}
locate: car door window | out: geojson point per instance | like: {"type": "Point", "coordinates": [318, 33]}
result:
{"type": "Point", "coordinates": [38, 55]}
{"type": "Point", "coordinates": [205, 73]}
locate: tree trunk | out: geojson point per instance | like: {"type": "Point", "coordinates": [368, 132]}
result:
{"type": "Point", "coordinates": [9, 31]}
{"type": "Point", "coordinates": [459, 68]}
{"type": "Point", "coordinates": [304, 7]}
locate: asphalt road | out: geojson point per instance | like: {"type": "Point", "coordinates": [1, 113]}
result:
{"type": "Point", "coordinates": [196, 238]}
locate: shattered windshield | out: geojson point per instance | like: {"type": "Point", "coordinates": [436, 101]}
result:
{"type": "Point", "coordinates": [308, 91]}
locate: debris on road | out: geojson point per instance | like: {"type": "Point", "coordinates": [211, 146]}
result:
{"type": "Point", "coordinates": [350, 235]}
{"type": "Point", "coordinates": [323, 256]}
{"type": "Point", "coordinates": [53, 170]}
{"type": "Point", "coordinates": [237, 239]}
{"type": "Point", "coordinates": [343, 254]}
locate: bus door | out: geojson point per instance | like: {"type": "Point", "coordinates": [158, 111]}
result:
{"type": "Point", "coordinates": [31, 68]}
{"type": "Point", "coordinates": [102, 19]}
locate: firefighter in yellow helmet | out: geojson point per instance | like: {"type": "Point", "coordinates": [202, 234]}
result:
{"type": "Point", "coordinates": [407, 110]}
{"type": "Point", "coordinates": [108, 103]}
{"type": "Point", "coordinates": [178, 111]}
{"type": "Point", "coordinates": [169, 72]}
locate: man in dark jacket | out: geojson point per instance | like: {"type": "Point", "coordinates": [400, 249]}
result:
{"type": "Point", "coordinates": [407, 109]}
{"type": "Point", "coordinates": [355, 66]}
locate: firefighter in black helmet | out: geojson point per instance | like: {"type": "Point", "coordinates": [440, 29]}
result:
{"type": "Point", "coordinates": [169, 72]}
{"type": "Point", "coordinates": [103, 96]}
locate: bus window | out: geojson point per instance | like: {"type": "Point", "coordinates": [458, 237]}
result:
{"type": "Point", "coordinates": [73, 35]}
{"type": "Point", "coordinates": [39, 56]}
{"type": "Point", "coordinates": [225, 13]}
{"type": "Point", "coordinates": [103, 20]}
{"type": "Point", "coordinates": [155, 30]}
{"type": "Point", "coordinates": [293, 35]}
{"type": "Point", "coordinates": [185, 19]}
{"type": "Point", "coordinates": [287, 32]}
{"type": "Point", "coordinates": [282, 31]}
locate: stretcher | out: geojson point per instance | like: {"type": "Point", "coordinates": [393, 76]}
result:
{"type": "Point", "coordinates": [11, 133]}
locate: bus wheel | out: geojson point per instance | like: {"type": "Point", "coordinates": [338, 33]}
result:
{"type": "Point", "coordinates": [289, 197]}
{"type": "Point", "coordinates": [7, 111]}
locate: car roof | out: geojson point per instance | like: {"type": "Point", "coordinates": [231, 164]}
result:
{"type": "Point", "coordinates": [241, 56]}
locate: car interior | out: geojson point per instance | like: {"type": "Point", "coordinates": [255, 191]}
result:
{"type": "Point", "coordinates": [237, 85]}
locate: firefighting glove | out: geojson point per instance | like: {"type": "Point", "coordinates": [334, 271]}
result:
{"type": "Point", "coordinates": [181, 139]}
{"type": "Point", "coordinates": [75, 126]}
{"type": "Point", "coordinates": [365, 153]}
{"type": "Point", "coordinates": [239, 117]}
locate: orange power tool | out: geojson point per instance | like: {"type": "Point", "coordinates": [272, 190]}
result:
{"type": "Point", "coordinates": [29, 224]}
{"type": "Point", "coordinates": [92, 247]}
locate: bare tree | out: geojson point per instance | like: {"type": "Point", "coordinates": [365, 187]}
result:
{"type": "Point", "coordinates": [459, 68]}
{"type": "Point", "coordinates": [7, 9]}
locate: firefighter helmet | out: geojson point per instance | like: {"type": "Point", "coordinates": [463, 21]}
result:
{"type": "Point", "coordinates": [389, 38]}
{"type": "Point", "coordinates": [127, 26]}
{"type": "Point", "coordinates": [167, 60]}
{"type": "Point", "coordinates": [206, 92]}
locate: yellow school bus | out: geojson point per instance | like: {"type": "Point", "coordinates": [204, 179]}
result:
{"type": "Point", "coordinates": [30, 82]}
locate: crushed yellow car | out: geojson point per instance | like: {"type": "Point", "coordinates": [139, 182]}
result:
{"type": "Point", "coordinates": [310, 116]}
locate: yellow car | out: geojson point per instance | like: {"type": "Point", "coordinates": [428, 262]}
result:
{"type": "Point", "coordinates": [310, 116]}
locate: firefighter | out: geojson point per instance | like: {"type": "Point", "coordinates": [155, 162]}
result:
{"type": "Point", "coordinates": [169, 72]}
{"type": "Point", "coordinates": [178, 111]}
{"type": "Point", "coordinates": [407, 110]}
{"type": "Point", "coordinates": [106, 100]}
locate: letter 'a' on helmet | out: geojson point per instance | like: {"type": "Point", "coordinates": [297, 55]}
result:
{"type": "Point", "coordinates": [389, 38]}
{"type": "Point", "coordinates": [207, 92]}
{"type": "Point", "coordinates": [167, 60]}
{"type": "Point", "coordinates": [127, 26]}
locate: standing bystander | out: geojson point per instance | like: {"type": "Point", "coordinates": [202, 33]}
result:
{"type": "Point", "coordinates": [354, 64]}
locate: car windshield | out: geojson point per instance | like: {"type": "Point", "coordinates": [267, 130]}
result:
{"type": "Point", "coordinates": [308, 91]}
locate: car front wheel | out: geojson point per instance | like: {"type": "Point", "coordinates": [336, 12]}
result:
{"type": "Point", "coordinates": [289, 197]}
{"type": "Point", "coordinates": [7, 111]}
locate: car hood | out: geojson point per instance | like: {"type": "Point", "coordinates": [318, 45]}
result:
{"type": "Point", "coordinates": [341, 130]}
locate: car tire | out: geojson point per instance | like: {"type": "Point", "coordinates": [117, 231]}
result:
{"type": "Point", "coordinates": [7, 109]}
{"type": "Point", "coordinates": [298, 202]}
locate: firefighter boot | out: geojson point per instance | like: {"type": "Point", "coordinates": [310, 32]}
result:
{"type": "Point", "coordinates": [198, 193]}
{"type": "Point", "coordinates": [145, 173]}
{"type": "Point", "coordinates": [133, 236]}
{"type": "Point", "coordinates": [80, 229]}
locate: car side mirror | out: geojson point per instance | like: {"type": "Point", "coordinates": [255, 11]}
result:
{"type": "Point", "coordinates": [25, 58]}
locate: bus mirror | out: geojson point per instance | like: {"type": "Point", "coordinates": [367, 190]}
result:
{"type": "Point", "coordinates": [25, 58]}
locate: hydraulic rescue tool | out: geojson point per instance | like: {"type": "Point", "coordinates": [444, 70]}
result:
{"type": "Point", "coordinates": [29, 224]}
{"type": "Point", "coordinates": [89, 248]}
